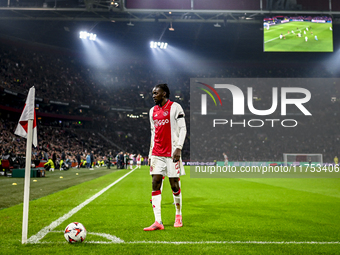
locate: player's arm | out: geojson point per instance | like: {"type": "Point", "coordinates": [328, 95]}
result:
{"type": "Point", "coordinates": [182, 134]}
{"type": "Point", "coordinates": [152, 135]}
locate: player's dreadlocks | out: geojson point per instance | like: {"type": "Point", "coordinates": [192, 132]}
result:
{"type": "Point", "coordinates": [165, 88]}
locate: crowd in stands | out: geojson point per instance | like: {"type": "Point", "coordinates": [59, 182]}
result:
{"type": "Point", "coordinates": [326, 18]}
{"type": "Point", "coordinates": [63, 77]}
{"type": "Point", "coordinates": [57, 144]}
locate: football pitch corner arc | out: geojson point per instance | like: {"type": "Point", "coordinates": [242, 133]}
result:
{"type": "Point", "coordinates": [43, 232]}
{"type": "Point", "coordinates": [111, 238]}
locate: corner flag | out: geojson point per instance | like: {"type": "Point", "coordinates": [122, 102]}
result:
{"type": "Point", "coordinates": [27, 128]}
{"type": "Point", "coordinates": [28, 114]}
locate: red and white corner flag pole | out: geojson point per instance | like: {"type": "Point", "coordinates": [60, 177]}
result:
{"type": "Point", "coordinates": [27, 128]}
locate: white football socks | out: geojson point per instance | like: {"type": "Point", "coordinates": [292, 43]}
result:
{"type": "Point", "coordinates": [156, 205]}
{"type": "Point", "coordinates": [178, 201]}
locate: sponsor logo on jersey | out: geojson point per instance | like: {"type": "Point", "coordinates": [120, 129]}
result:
{"type": "Point", "coordinates": [161, 122]}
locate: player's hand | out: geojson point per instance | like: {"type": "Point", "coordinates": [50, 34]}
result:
{"type": "Point", "coordinates": [176, 156]}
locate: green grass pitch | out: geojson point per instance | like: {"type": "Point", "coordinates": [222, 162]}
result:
{"type": "Point", "coordinates": [233, 216]}
{"type": "Point", "coordinates": [273, 43]}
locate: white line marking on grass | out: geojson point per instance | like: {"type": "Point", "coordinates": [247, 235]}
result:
{"type": "Point", "coordinates": [42, 233]}
{"type": "Point", "coordinates": [115, 239]}
{"type": "Point", "coordinates": [272, 29]}
{"type": "Point", "coordinates": [230, 242]}
{"type": "Point", "coordinates": [205, 242]}
{"type": "Point", "coordinates": [274, 38]}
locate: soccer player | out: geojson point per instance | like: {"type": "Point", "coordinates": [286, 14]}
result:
{"type": "Point", "coordinates": [225, 159]}
{"type": "Point", "coordinates": [168, 131]}
{"type": "Point", "coordinates": [336, 160]}
{"type": "Point", "coordinates": [316, 38]}
{"type": "Point", "coordinates": [306, 38]}
{"type": "Point", "coordinates": [281, 36]}
{"type": "Point", "coordinates": [131, 157]}
{"type": "Point", "coordinates": [139, 160]}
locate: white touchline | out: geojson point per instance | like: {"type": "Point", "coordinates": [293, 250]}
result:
{"type": "Point", "coordinates": [275, 38]}
{"type": "Point", "coordinates": [42, 233]}
{"type": "Point", "coordinates": [230, 242]}
{"type": "Point", "coordinates": [272, 39]}
{"type": "Point", "coordinates": [116, 240]}
{"type": "Point", "coordinates": [205, 242]}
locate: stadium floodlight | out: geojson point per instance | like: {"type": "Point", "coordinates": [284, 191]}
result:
{"type": "Point", "coordinates": [161, 45]}
{"type": "Point", "coordinates": [86, 35]}
{"type": "Point", "coordinates": [82, 35]}
{"type": "Point", "coordinates": [115, 3]}
{"type": "Point", "coordinates": [93, 37]}
{"type": "Point", "coordinates": [217, 25]}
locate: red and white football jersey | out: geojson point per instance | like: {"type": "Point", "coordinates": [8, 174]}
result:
{"type": "Point", "coordinates": [168, 129]}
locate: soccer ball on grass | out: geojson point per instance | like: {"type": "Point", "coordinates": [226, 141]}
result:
{"type": "Point", "coordinates": [75, 232]}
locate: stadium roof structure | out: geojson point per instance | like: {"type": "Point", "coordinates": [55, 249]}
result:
{"type": "Point", "coordinates": [151, 11]}
{"type": "Point", "coordinates": [198, 23]}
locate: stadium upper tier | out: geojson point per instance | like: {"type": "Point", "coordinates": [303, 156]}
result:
{"type": "Point", "coordinates": [65, 78]}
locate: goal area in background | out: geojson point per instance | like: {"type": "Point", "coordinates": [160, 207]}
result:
{"type": "Point", "coordinates": [302, 159]}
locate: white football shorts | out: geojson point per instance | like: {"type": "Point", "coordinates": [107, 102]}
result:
{"type": "Point", "coordinates": [166, 167]}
